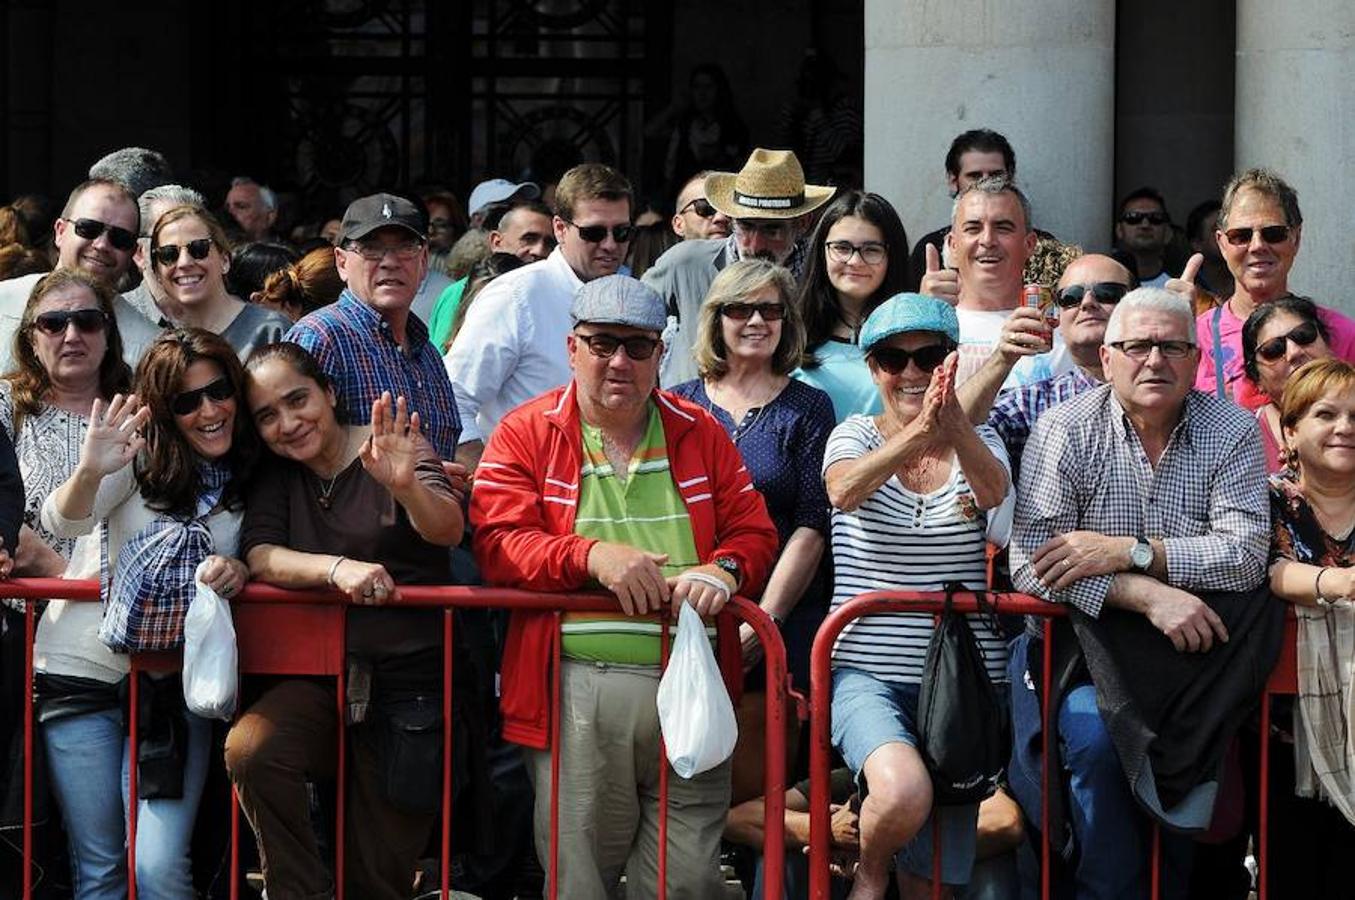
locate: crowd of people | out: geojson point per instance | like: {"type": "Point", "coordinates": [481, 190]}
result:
{"type": "Point", "coordinates": [776, 397]}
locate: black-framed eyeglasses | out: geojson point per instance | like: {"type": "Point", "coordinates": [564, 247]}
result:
{"type": "Point", "coordinates": [90, 229]}
{"type": "Point", "coordinates": [1142, 349]}
{"type": "Point", "coordinates": [1271, 234]}
{"type": "Point", "coordinates": [1303, 335]}
{"type": "Point", "coordinates": [701, 206]}
{"type": "Point", "coordinates": [596, 234]}
{"type": "Point", "coordinates": [187, 402]}
{"type": "Point", "coordinates": [87, 321]}
{"type": "Point", "coordinates": [742, 312]}
{"type": "Point", "coordinates": [1107, 292]}
{"type": "Point", "coordinates": [604, 346]}
{"type": "Point", "coordinates": [1138, 218]}
{"type": "Point", "coordinates": [872, 253]}
{"type": "Point", "coordinates": [895, 359]}
{"type": "Point", "coordinates": [168, 254]}
{"type": "Point", "coordinates": [374, 252]}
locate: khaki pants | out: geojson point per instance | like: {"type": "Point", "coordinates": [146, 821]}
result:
{"type": "Point", "coordinates": [609, 794]}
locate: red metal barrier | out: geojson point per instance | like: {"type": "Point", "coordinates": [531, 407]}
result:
{"type": "Point", "coordinates": [317, 617]}
{"type": "Point", "coordinates": [1282, 681]}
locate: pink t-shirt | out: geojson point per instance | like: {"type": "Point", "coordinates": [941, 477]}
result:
{"type": "Point", "coordinates": [1342, 343]}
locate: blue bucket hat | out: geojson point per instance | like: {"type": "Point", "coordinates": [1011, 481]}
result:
{"type": "Point", "coordinates": [902, 313]}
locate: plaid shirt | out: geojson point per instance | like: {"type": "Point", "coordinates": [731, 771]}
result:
{"type": "Point", "coordinates": [1017, 408]}
{"type": "Point", "coordinates": [1206, 500]}
{"type": "Point", "coordinates": [356, 349]}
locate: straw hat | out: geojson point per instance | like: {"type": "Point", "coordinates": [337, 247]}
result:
{"type": "Point", "coordinates": [771, 185]}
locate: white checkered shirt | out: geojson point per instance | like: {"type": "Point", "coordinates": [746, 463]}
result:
{"type": "Point", "coordinates": [1084, 469]}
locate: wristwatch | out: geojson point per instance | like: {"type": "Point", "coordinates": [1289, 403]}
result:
{"type": "Point", "coordinates": [730, 566]}
{"type": "Point", "coordinates": [1141, 555]}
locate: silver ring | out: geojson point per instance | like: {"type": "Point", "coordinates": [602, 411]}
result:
{"type": "Point", "coordinates": [367, 593]}
{"type": "Point", "coordinates": [1067, 563]}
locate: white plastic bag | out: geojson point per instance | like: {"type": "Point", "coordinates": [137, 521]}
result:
{"type": "Point", "coordinates": [210, 672]}
{"type": "Point", "coordinates": [695, 714]}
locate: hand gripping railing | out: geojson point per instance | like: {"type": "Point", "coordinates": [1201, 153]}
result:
{"type": "Point", "coordinates": [267, 649]}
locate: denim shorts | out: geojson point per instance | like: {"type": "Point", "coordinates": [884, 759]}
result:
{"type": "Point", "coordinates": [868, 713]}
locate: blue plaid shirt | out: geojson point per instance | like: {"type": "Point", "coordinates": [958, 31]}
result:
{"type": "Point", "coordinates": [1017, 408]}
{"type": "Point", "coordinates": [356, 349]}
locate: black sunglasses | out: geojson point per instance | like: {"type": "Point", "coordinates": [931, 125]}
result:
{"type": "Point", "coordinates": [604, 346]}
{"type": "Point", "coordinates": [1102, 292]}
{"type": "Point", "coordinates": [168, 254]}
{"type": "Point", "coordinates": [1273, 349]}
{"type": "Point", "coordinates": [701, 206]}
{"type": "Point", "coordinates": [90, 229]}
{"type": "Point", "coordinates": [1271, 234]}
{"type": "Point", "coordinates": [596, 234]}
{"type": "Point", "coordinates": [742, 312]}
{"type": "Point", "coordinates": [894, 359]}
{"type": "Point", "coordinates": [87, 321]}
{"type": "Point", "coordinates": [187, 403]}
{"type": "Point", "coordinates": [1138, 218]}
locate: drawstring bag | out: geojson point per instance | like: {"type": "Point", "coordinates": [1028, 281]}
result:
{"type": "Point", "coordinates": [696, 716]}
{"type": "Point", "coordinates": [962, 723]}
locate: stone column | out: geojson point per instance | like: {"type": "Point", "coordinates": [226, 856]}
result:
{"type": "Point", "coordinates": [1295, 113]}
{"type": "Point", "coordinates": [1043, 75]}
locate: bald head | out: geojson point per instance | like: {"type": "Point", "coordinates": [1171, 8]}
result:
{"type": "Point", "coordinates": [1083, 326]}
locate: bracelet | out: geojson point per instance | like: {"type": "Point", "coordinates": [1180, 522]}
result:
{"type": "Point", "coordinates": [707, 579]}
{"type": "Point", "coordinates": [334, 567]}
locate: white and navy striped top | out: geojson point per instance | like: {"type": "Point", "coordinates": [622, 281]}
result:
{"type": "Point", "coordinates": [902, 540]}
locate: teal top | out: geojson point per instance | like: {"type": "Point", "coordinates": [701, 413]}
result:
{"type": "Point", "coordinates": [843, 375]}
{"type": "Point", "coordinates": [444, 313]}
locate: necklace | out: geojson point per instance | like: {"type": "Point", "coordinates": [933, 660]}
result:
{"type": "Point", "coordinates": [326, 498]}
{"type": "Point", "coordinates": [741, 429]}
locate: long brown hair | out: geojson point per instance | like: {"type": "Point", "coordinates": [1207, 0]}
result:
{"type": "Point", "coordinates": [29, 380]}
{"type": "Point", "coordinates": [167, 469]}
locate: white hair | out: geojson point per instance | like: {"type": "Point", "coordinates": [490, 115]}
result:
{"type": "Point", "coordinates": [270, 200]}
{"type": "Point", "coordinates": [1152, 299]}
{"type": "Point", "coordinates": [176, 194]}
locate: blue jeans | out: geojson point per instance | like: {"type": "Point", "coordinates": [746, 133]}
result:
{"type": "Point", "coordinates": [87, 757]}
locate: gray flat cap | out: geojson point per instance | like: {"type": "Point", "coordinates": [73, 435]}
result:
{"type": "Point", "coordinates": [619, 300]}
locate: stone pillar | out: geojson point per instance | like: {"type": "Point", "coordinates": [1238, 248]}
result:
{"type": "Point", "coordinates": [1044, 76]}
{"type": "Point", "coordinates": [1295, 113]}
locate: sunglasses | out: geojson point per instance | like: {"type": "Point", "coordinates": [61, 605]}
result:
{"type": "Point", "coordinates": [168, 254]}
{"type": "Point", "coordinates": [596, 234]}
{"type": "Point", "coordinates": [187, 403]}
{"type": "Point", "coordinates": [1102, 292]}
{"type": "Point", "coordinates": [1273, 349]}
{"type": "Point", "coordinates": [894, 360]}
{"type": "Point", "coordinates": [871, 252]}
{"type": "Point", "coordinates": [742, 312]}
{"type": "Point", "coordinates": [1271, 234]}
{"type": "Point", "coordinates": [90, 229]}
{"type": "Point", "coordinates": [604, 346]}
{"type": "Point", "coordinates": [87, 321]}
{"type": "Point", "coordinates": [1138, 218]}
{"type": "Point", "coordinates": [701, 206]}
{"type": "Point", "coordinates": [1141, 350]}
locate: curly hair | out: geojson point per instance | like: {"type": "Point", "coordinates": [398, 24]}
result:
{"type": "Point", "coordinates": [1048, 260]}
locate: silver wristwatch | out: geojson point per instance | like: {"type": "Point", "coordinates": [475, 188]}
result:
{"type": "Point", "coordinates": [1141, 555]}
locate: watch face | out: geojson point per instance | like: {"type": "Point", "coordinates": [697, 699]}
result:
{"type": "Point", "coordinates": [1141, 555]}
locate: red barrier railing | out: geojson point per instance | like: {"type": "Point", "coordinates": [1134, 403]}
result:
{"type": "Point", "coordinates": [318, 618]}
{"type": "Point", "coordinates": [1283, 680]}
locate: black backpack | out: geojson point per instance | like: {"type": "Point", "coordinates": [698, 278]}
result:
{"type": "Point", "coordinates": [962, 723]}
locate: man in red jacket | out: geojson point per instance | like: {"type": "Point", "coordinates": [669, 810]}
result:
{"type": "Point", "coordinates": [608, 482]}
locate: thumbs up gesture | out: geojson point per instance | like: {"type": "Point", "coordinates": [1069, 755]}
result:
{"type": "Point", "coordinates": [944, 284]}
{"type": "Point", "coordinates": [1185, 285]}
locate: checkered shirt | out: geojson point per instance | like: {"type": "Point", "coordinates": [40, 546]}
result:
{"type": "Point", "coordinates": [357, 350]}
{"type": "Point", "coordinates": [1017, 408]}
{"type": "Point", "coordinates": [1085, 469]}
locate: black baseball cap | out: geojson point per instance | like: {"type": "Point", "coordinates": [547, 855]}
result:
{"type": "Point", "coordinates": [366, 214]}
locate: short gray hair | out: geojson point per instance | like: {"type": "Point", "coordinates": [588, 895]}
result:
{"type": "Point", "coordinates": [1153, 299]}
{"type": "Point", "coordinates": [135, 168]}
{"type": "Point", "coordinates": [270, 200]}
{"type": "Point", "coordinates": [174, 194]}
{"type": "Point", "coordinates": [994, 184]}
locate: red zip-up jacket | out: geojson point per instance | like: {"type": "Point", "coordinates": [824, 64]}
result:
{"type": "Point", "coordinates": [522, 508]}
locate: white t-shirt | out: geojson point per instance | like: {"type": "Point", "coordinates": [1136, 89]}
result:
{"type": "Point", "coordinates": [898, 539]}
{"type": "Point", "coordinates": [980, 330]}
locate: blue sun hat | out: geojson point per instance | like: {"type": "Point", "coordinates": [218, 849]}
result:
{"type": "Point", "coordinates": [902, 313]}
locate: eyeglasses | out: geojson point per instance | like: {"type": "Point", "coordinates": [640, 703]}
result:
{"type": "Point", "coordinates": [604, 346]}
{"type": "Point", "coordinates": [701, 206]}
{"type": "Point", "coordinates": [596, 234]}
{"type": "Point", "coordinates": [90, 229]}
{"type": "Point", "coordinates": [1138, 218]}
{"type": "Point", "coordinates": [168, 254]}
{"type": "Point", "coordinates": [1302, 335]}
{"type": "Point", "coordinates": [187, 403]}
{"type": "Point", "coordinates": [772, 231]}
{"type": "Point", "coordinates": [1102, 292]}
{"type": "Point", "coordinates": [742, 312]}
{"type": "Point", "coordinates": [1271, 234]}
{"type": "Point", "coordinates": [1141, 350]}
{"type": "Point", "coordinates": [376, 252]}
{"type": "Point", "coordinates": [872, 253]}
{"type": "Point", "coordinates": [894, 359]}
{"type": "Point", "coordinates": [87, 321]}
